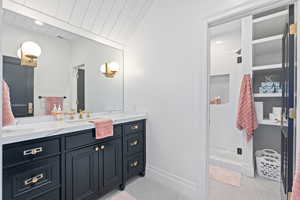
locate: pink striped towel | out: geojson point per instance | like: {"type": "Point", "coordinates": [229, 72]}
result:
{"type": "Point", "coordinates": [246, 118]}
{"type": "Point", "coordinates": [8, 116]}
{"type": "Point", "coordinates": [296, 184]}
{"type": "Point", "coordinates": [51, 101]}
{"type": "Point", "coordinates": [104, 127]}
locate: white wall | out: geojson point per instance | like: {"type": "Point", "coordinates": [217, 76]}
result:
{"type": "Point", "coordinates": [52, 76]}
{"type": "Point", "coordinates": [101, 93]}
{"type": "Point", "coordinates": [163, 76]}
{"type": "Point", "coordinates": [225, 138]}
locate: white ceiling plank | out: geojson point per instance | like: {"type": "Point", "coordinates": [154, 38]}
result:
{"type": "Point", "coordinates": [91, 14]}
{"type": "Point", "coordinates": [20, 1]}
{"type": "Point", "coordinates": [137, 20]}
{"type": "Point", "coordinates": [131, 18]}
{"type": "Point", "coordinates": [114, 16]}
{"type": "Point", "coordinates": [79, 12]}
{"type": "Point", "coordinates": [28, 12]}
{"type": "Point", "coordinates": [102, 15]}
{"type": "Point", "coordinates": [130, 4]}
{"type": "Point", "coordinates": [45, 6]}
{"type": "Point", "coordinates": [64, 9]}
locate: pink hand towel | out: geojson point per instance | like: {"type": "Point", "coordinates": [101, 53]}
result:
{"type": "Point", "coordinates": [104, 127]}
{"type": "Point", "coordinates": [7, 114]}
{"type": "Point", "coordinates": [51, 101]}
{"type": "Point", "coordinates": [296, 184]}
{"type": "Point", "coordinates": [246, 118]}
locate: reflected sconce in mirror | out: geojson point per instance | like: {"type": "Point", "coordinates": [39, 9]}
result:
{"type": "Point", "coordinates": [29, 53]}
{"type": "Point", "coordinates": [109, 69]}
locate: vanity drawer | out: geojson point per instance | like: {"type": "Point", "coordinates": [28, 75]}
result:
{"type": "Point", "coordinates": [134, 127]}
{"type": "Point", "coordinates": [135, 165]}
{"type": "Point", "coordinates": [31, 179]}
{"type": "Point", "coordinates": [134, 144]}
{"type": "Point", "coordinates": [14, 154]}
{"type": "Point", "coordinates": [53, 195]}
{"type": "Point", "coordinates": [87, 137]}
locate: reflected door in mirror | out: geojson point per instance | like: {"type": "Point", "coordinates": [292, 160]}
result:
{"type": "Point", "coordinates": [20, 80]}
{"type": "Point", "coordinates": [80, 90]}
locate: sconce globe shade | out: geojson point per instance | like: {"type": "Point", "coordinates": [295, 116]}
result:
{"type": "Point", "coordinates": [114, 66]}
{"type": "Point", "coordinates": [103, 68]}
{"type": "Point", "coordinates": [19, 53]}
{"type": "Point", "coordinates": [30, 48]}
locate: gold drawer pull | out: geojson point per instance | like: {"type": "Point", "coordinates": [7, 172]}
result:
{"type": "Point", "coordinates": [33, 151]}
{"type": "Point", "coordinates": [134, 143]}
{"type": "Point", "coordinates": [134, 164]}
{"type": "Point", "coordinates": [34, 179]}
{"type": "Point", "coordinates": [134, 127]}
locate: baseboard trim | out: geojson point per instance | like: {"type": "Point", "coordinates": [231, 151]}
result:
{"type": "Point", "coordinates": [186, 187]}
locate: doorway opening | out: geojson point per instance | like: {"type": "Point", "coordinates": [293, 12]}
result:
{"type": "Point", "coordinates": [259, 45]}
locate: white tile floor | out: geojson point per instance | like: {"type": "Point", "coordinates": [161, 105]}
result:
{"type": "Point", "coordinates": [147, 189]}
{"type": "Point", "coordinates": [251, 189]}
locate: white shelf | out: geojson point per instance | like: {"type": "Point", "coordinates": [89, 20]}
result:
{"type": "Point", "coordinates": [266, 67]}
{"type": "Point", "coordinates": [268, 39]}
{"type": "Point", "coordinates": [271, 17]}
{"type": "Point", "coordinates": [268, 95]}
{"type": "Point", "coordinates": [271, 123]}
{"type": "Point", "coordinates": [273, 24]}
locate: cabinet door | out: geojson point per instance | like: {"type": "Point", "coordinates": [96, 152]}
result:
{"type": "Point", "coordinates": [82, 174]}
{"type": "Point", "coordinates": [112, 164]}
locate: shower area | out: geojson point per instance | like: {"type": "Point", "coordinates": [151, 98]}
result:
{"type": "Point", "coordinates": [226, 72]}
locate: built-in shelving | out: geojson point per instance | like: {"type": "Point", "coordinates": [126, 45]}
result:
{"type": "Point", "coordinates": [266, 67]}
{"type": "Point", "coordinates": [267, 95]}
{"type": "Point", "coordinates": [271, 18]}
{"type": "Point", "coordinates": [270, 25]}
{"type": "Point", "coordinates": [267, 51]}
{"type": "Point", "coordinates": [271, 122]}
{"type": "Point", "coordinates": [268, 39]}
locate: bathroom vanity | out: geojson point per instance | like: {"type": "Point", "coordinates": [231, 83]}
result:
{"type": "Point", "coordinates": [73, 165]}
{"type": "Point", "coordinates": [51, 153]}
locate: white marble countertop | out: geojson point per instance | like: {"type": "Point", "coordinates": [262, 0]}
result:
{"type": "Point", "coordinates": [41, 129]}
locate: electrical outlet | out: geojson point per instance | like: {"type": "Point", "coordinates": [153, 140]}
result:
{"type": "Point", "coordinates": [239, 59]}
{"type": "Point", "coordinates": [239, 151]}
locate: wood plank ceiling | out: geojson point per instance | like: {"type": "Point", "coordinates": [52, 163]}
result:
{"type": "Point", "coordinates": [115, 20]}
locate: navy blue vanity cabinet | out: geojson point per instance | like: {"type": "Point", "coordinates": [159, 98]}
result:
{"type": "Point", "coordinates": [82, 173]}
{"type": "Point", "coordinates": [74, 166]}
{"type": "Point", "coordinates": [134, 143]}
{"type": "Point", "coordinates": [34, 170]}
{"type": "Point", "coordinates": [112, 164]}
{"type": "Point", "coordinates": [94, 170]}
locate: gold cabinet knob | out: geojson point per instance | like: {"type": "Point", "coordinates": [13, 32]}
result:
{"type": "Point", "coordinates": [134, 164]}
{"type": "Point", "coordinates": [97, 149]}
{"type": "Point", "coordinates": [135, 127]}
{"type": "Point", "coordinates": [102, 147]}
{"type": "Point", "coordinates": [134, 143]}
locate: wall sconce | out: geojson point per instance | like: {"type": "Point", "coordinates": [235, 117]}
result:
{"type": "Point", "coordinates": [110, 69]}
{"type": "Point", "coordinates": [28, 53]}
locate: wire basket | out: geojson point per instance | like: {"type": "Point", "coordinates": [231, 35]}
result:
{"type": "Point", "coordinates": [268, 164]}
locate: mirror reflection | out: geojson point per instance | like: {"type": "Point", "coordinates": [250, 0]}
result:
{"type": "Point", "coordinates": [49, 70]}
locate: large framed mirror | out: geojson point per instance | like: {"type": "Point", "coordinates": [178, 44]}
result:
{"type": "Point", "coordinates": [72, 73]}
